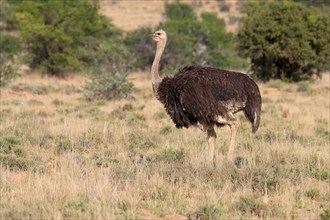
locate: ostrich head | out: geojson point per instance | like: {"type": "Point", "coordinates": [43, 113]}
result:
{"type": "Point", "coordinates": [159, 36]}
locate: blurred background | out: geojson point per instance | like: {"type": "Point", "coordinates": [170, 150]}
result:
{"type": "Point", "coordinates": [287, 39]}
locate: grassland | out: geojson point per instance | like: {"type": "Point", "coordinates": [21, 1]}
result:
{"type": "Point", "coordinates": [64, 157]}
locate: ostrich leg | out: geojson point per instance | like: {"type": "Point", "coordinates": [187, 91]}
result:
{"type": "Point", "coordinates": [211, 137]}
{"type": "Point", "coordinates": [233, 128]}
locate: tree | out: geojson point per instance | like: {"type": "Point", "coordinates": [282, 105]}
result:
{"type": "Point", "coordinates": [284, 40]}
{"type": "Point", "coordinates": [63, 35]}
{"type": "Point", "coordinates": [191, 41]}
{"type": "Point", "coordinates": [9, 47]}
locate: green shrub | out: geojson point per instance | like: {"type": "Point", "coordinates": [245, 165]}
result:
{"type": "Point", "coordinates": [313, 193]}
{"type": "Point", "coordinates": [166, 129]}
{"type": "Point", "coordinates": [206, 212]}
{"type": "Point", "coordinates": [252, 206]}
{"type": "Point", "coordinates": [171, 155]}
{"type": "Point", "coordinates": [192, 41]}
{"type": "Point", "coordinates": [79, 208]}
{"type": "Point", "coordinates": [284, 40]}
{"type": "Point", "coordinates": [63, 144]}
{"type": "Point", "coordinates": [140, 141]}
{"type": "Point", "coordinates": [103, 161]}
{"type": "Point", "coordinates": [10, 144]}
{"type": "Point", "coordinates": [108, 85]}
{"type": "Point", "coordinates": [274, 83]}
{"type": "Point", "coordinates": [140, 44]}
{"type": "Point", "coordinates": [303, 86]}
{"type": "Point", "coordinates": [18, 163]}
{"type": "Point", "coordinates": [63, 35]}
{"type": "Point", "coordinates": [7, 16]}
{"type": "Point", "coordinates": [7, 73]}
{"type": "Point", "coordinates": [9, 46]}
{"type": "Point", "coordinates": [325, 215]}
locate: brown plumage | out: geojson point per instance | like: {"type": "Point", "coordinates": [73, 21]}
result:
{"type": "Point", "coordinates": [206, 96]}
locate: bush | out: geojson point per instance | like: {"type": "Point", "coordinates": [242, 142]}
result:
{"type": "Point", "coordinates": [108, 85]}
{"type": "Point", "coordinates": [140, 44]}
{"type": "Point", "coordinates": [252, 206]}
{"type": "Point", "coordinates": [9, 47]}
{"type": "Point", "coordinates": [325, 215]}
{"type": "Point", "coordinates": [206, 212]}
{"type": "Point", "coordinates": [284, 40]}
{"type": "Point", "coordinates": [192, 41]}
{"type": "Point", "coordinates": [63, 35]}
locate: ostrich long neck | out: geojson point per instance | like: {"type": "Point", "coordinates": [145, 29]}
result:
{"type": "Point", "coordinates": [154, 68]}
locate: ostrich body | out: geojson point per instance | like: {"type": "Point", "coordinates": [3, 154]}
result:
{"type": "Point", "coordinates": [206, 97]}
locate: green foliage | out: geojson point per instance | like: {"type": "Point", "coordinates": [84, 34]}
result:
{"type": "Point", "coordinates": [325, 215]}
{"type": "Point", "coordinates": [206, 212]}
{"type": "Point", "coordinates": [176, 11]}
{"type": "Point", "coordinates": [171, 155]}
{"type": "Point", "coordinates": [62, 35]}
{"type": "Point", "coordinates": [284, 40]}
{"type": "Point", "coordinates": [302, 86]}
{"type": "Point", "coordinates": [108, 85]}
{"type": "Point", "coordinates": [7, 22]}
{"type": "Point", "coordinates": [10, 144]}
{"type": "Point", "coordinates": [9, 46]}
{"type": "Point", "coordinates": [318, 3]}
{"type": "Point", "coordinates": [192, 41]}
{"type": "Point", "coordinates": [63, 144]}
{"type": "Point", "coordinates": [79, 208]}
{"type": "Point", "coordinates": [251, 205]}
{"type": "Point", "coordinates": [140, 44]}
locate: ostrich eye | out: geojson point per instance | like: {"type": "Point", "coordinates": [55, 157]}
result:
{"type": "Point", "coordinates": [158, 33]}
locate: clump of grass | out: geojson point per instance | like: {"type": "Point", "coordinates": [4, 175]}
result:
{"type": "Point", "coordinates": [166, 129]}
{"type": "Point", "coordinates": [313, 193]}
{"type": "Point", "coordinates": [35, 102]}
{"type": "Point", "coordinates": [57, 102]}
{"type": "Point", "coordinates": [321, 127]}
{"type": "Point", "coordinates": [262, 181]}
{"type": "Point", "coordinates": [11, 144]}
{"type": "Point", "coordinates": [63, 144]}
{"type": "Point", "coordinates": [46, 140]}
{"type": "Point", "coordinates": [277, 84]}
{"type": "Point", "coordinates": [171, 155]}
{"type": "Point", "coordinates": [160, 114]}
{"type": "Point", "coordinates": [103, 161]}
{"type": "Point", "coordinates": [134, 118]}
{"type": "Point", "coordinates": [108, 85]}
{"type": "Point", "coordinates": [18, 163]}
{"type": "Point", "coordinates": [139, 141]}
{"type": "Point", "coordinates": [33, 89]}
{"type": "Point", "coordinates": [206, 212]}
{"type": "Point", "coordinates": [70, 89]}
{"type": "Point", "coordinates": [79, 208]}
{"type": "Point", "coordinates": [303, 86]}
{"type": "Point", "coordinates": [325, 215]}
{"type": "Point", "coordinates": [252, 206]}
{"type": "Point", "coordinates": [321, 174]}
{"type": "Point", "coordinates": [126, 211]}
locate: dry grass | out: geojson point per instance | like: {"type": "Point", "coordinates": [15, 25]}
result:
{"type": "Point", "coordinates": [63, 157]}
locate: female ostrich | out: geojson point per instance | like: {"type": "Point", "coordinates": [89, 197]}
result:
{"type": "Point", "coordinates": [206, 97]}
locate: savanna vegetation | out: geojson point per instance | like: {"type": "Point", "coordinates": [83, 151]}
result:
{"type": "Point", "coordinates": [285, 40]}
{"type": "Point", "coordinates": [64, 157]}
{"type": "Point", "coordinates": [68, 153]}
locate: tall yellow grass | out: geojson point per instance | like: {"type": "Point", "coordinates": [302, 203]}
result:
{"type": "Point", "coordinates": [126, 160]}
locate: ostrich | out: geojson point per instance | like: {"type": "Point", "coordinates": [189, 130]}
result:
{"type": "Point", "coordinates": [206, 97]}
